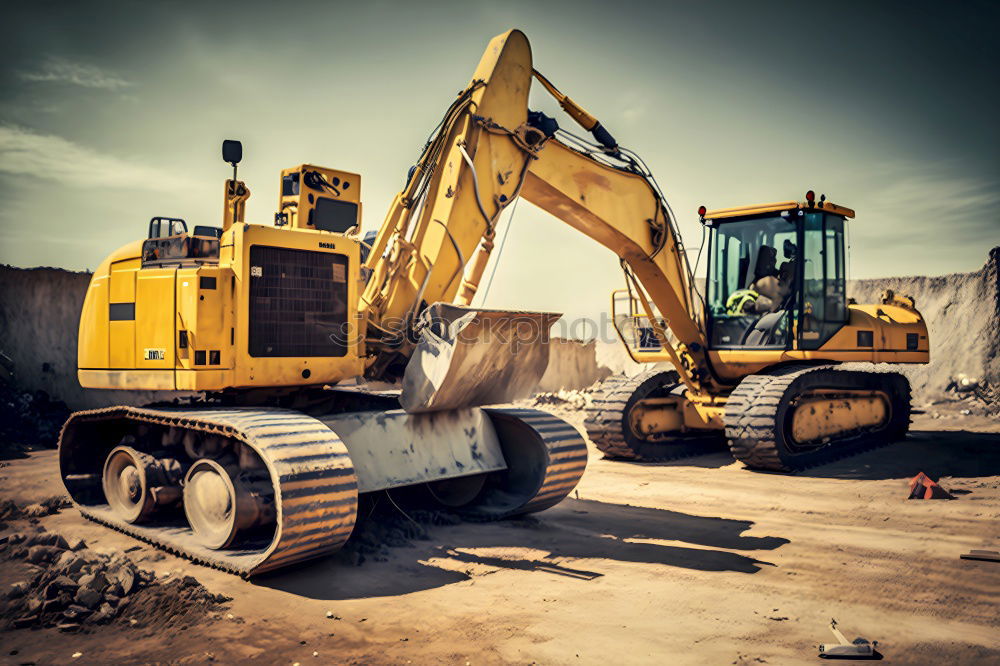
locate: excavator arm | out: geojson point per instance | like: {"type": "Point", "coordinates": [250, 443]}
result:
{"type": "Point", "coordinates": [489, 149]}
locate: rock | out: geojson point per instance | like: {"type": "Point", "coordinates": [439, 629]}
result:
{"type": "Point", "coordinates": [103, 613]}
{"type": "Point", "coordinates": [42, 554]}
{"type": "Point", "coordinates": [124, 574]}
{"type": "Point", "coordinates": [89, 597]}
{"type": "Point", "coordinates": [189, 581]}
{"type": "Point", "coordinates": [68, 627]}
{"type": "Point", "coordinates": [47, 539]}
{"type": "Point", "coordinates": [56, 605]}
{"type": "Point", "coordinates": [98, 581]}
{"type": "Point", "coordinates": [60, 585]}
{"type": "Point", "coordinates": [18, 589]}
{"type": "Point", "coordinates": [35, 511]}
{"type": "Point", "coordinates": [9, 510]}
{"type": "Point", "coordinates": [76, 612]}
{"type": "Point", "coordinates": [70, 563]}
{"type": "Point", "coordinates": [76, 544]}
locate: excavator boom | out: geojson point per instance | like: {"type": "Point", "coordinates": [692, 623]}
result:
{"type": "Point", "coordinates": [439, 233]}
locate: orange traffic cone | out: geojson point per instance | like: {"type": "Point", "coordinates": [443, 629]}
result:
{"type": "Point", "coordinates": [923, 487]}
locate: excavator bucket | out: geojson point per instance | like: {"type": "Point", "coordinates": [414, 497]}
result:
{"type": "Point", "coordinates": [468, 357]}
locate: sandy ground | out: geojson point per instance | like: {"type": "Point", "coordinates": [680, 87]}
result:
{"type": "Point", "coordinates": [698, 561]}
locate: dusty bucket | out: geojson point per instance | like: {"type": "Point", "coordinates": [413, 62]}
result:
{"type": "Point", "coordinates": [468, 357]}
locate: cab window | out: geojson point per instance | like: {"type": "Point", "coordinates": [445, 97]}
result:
{"type": "Point", "coordinates": [752, 282]}
{"type": "Point", "coordinates": [824, 298]}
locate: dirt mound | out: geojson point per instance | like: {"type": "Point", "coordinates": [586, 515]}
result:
{"type": "Point", "coordinates": [176, 602]}
{"type": "Point", "coordinates": [39, 322]}
{"type": "Point", "coordinates": [573, 399]}
{"type": "Point", "coordinates": [68, 586]}
{"type": "Point", "coordinates": [573, 364]}
{"type": "Point", "coordinates": [11, 510]}
{"type": "Point", "coordinates": [962, 311]}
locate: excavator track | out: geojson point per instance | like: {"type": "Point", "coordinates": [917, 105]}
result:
{"type": "Point", "coordinates": [312, 478]}
{"type": "Point", "coordinates": [759, 415]}
{"type": "Point", "coordinates": [315, 488]}
{"type": "Point", "coordinates": [607, 426]}
{"type": "Point", "coordinates": [559, 453]}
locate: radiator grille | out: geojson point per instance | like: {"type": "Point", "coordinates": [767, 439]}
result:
{"type": "Point", "coordinates": [298, 302]}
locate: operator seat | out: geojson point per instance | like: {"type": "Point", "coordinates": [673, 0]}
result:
{"type": "Point", "coordinates": [765, 281]}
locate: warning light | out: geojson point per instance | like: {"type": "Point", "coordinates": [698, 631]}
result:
{"type": "Point", "coordinates": [701, 211]}
{"type": "Point", "coordinates": [810, 196]}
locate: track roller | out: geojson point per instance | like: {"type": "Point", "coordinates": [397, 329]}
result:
{"type": "Point", "coordinates": [137, 484]}
{"type": "Point", "coordinates": [220, 502]}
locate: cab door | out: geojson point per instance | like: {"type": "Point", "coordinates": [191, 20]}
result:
{"type": "Point", "coordinates": [824, 279]}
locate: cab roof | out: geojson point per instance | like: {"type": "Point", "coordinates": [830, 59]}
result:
{"type": "Point", "coordinates": [777, 207]}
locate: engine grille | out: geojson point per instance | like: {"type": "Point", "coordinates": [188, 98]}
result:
{"type": "Point", "coordinates": [298, 302]}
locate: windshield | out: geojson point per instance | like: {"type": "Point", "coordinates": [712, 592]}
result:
{"type": "Point", "coordinates": [751, 281]}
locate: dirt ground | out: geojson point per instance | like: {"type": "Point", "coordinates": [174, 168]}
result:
{"type": "Point", "coordinates": [697, 561]}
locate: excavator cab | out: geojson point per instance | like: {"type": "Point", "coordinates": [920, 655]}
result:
{"type": "Point", "coordinates": [776, 275]}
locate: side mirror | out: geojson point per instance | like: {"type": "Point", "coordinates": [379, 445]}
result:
{"type": "Point", "coordinates": [232, 151]}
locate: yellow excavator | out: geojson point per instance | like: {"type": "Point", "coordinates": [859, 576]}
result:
{"type": "Point", "coordinates": [270, 325]}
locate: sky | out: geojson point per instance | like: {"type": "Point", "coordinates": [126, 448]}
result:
{"type": "Point", "coordinates": [113, 112]}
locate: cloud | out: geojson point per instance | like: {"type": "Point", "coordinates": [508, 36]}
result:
{"type": "Point", "coordinates": [24, 152]}
{"type": "Point", "coordinates": [942, 196]}
{"type": "Point", "coordinates": [58, 70]}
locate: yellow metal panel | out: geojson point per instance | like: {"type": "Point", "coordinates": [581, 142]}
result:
{"type": "Point", "coordinates": [776, 207]}
{"type": "Point", "coordinates": [97, 341]}
{"type": "Point", "coordinates": [346, 187]}
{"type": "Point", "coordinates": [829, 413]}
{"type": "Point", "coordinates": [132, 380]}
{"type": "Point", "coordinates": [288, 371]}
{"type": "Point", "coordinates": [203, 380]}
{"type": "Point", "coordinates": [92, 340]}
{"type": "Point", "coordinates": [204, 312]}
{"type": "Point", "coordinates": [154, 318]}
{"type": "Point", "coordinates": [121, 333]}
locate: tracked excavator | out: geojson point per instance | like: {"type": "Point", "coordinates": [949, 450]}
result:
{"type": "Point", "coordinates": [268, 325]}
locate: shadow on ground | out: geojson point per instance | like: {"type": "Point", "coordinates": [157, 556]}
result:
{"type": "Point", "coordinates": [712, 460]}
{"type": "Point", "coordinates": [557, 538]}
{"type": "Point", "coordinates": [937, 453]}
